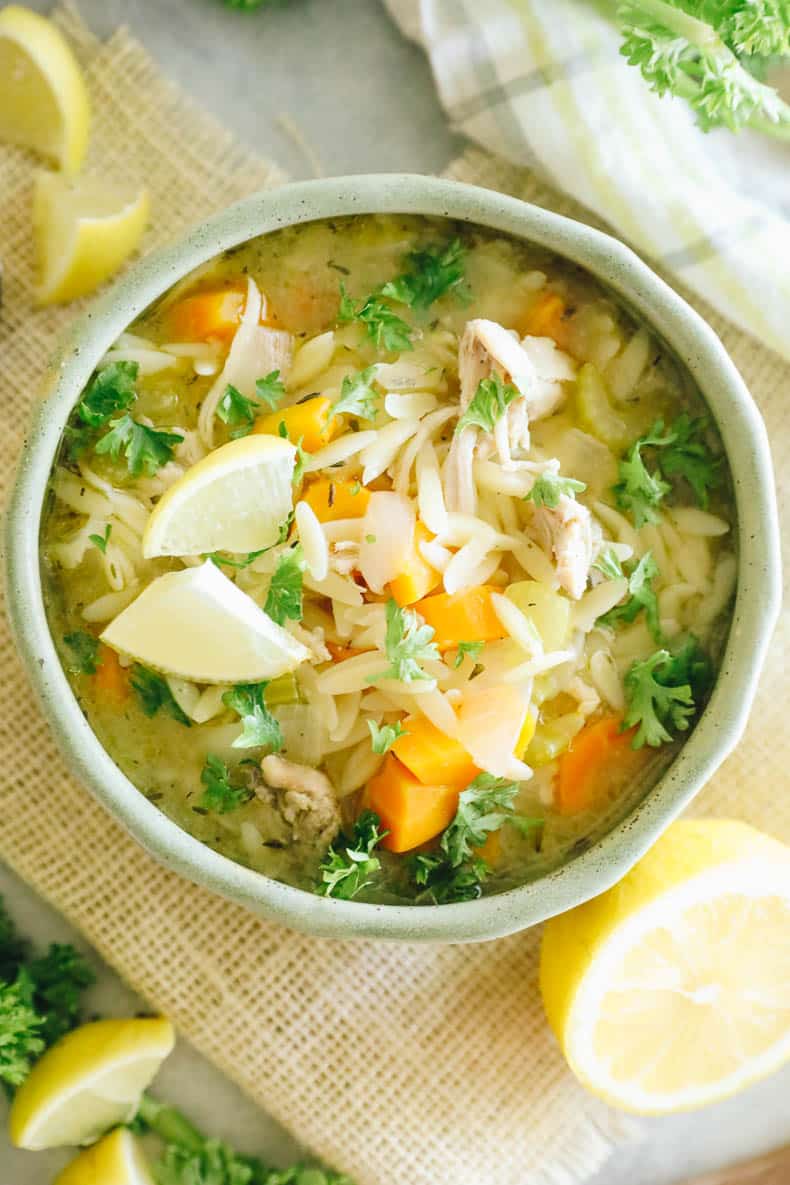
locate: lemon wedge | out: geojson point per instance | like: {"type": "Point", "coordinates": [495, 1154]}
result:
{"type": "Point", "coordinates": [89, 1081]}
{"type": "Point", "coordinates": [199, 625]}
{"type": "Point", "coordinates": [83, 230]}
{"type": "Point", "coordinates": [44, 102]}
{"type": "Point", "coordinates": [115, 1160]}
{"type": "Point", "coordinates": [235, 499]}
{"type": "Point", "coordinates": [672, 990]}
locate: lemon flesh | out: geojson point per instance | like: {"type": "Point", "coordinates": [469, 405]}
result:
{"type": "Point", "coordinates": [44, 102]}
{"type": "Point", "coordinates": [235, 499]}
{"type": "Point", "coordinates": [672, 990]}
{"type": "Point", "coordinates": [199, 625]}
{"type": "Point", "coordinates": [89, 1081]}
{"type": "Point", "coordinates": [84, 231]}
{"type": "Point", "coordinates": [116, 1160]}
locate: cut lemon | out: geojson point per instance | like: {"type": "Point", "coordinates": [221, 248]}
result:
{"type": "Point", "coordinates": [672, 990]}
{"type": "Point", "coordinates": [89, 1081]}
{"type": "Point", "coordinates": [116, 1160]}
{"type": "Point", "coordinates": [199, 625]}
{"type": "Point", "coordinates": [44, 102]}
{"type": "Point", "coordinates": [235, 499]}
{"type": "Point", "coordinates": [83, 231]}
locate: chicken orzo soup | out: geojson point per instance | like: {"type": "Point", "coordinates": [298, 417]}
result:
{"type": "Point", "coordinates": [390, 557]}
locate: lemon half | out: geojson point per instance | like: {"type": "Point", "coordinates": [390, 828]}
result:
{"type": "Point", "coordinates": [116, 1160]}
{"type": "Point", "coordinates": [89, 1081]}
{"type": "Point", "coordinates": [672, 989]}
{"type": "Point", "coordinates": [44, 102]}
{"type": "Point", "coordinates": [84, 231]}
{"type": "Point", "coordinates": [233, 500]}
{"type": "Point", "coordinates": [199, 625]}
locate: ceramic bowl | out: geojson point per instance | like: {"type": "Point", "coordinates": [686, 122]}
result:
{"type": "Point", "coordinates": [720, 726]}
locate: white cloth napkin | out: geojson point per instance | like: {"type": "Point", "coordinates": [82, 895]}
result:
{"type": "Point", "coordinates": [542, 83]}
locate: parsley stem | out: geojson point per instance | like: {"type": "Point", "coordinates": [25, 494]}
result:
{"type": "Point", "coordinates": [169, 1124]}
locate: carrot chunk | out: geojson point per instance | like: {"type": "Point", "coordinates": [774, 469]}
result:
{"type": "Point", "coordinates": [417, 577]}
{"type": "Point", "coordinates": [309, 422]}
{"type": "Point", "coordinates": [432, 756]}
{"type": "Point", "coordinates": [545, 318]}
{"type": "Point", "coordinates": [207, 314]}
{"type": "Point", "coordinates": [599, 756]}
{"type": "Point", "coordinates": [333, 500]}
{"type": "Point", "coordinates": [111, 680]}
{"type": "Point", "coordinates": [410, 811]}
{"type": "Point", "coordinates": [467, 616]}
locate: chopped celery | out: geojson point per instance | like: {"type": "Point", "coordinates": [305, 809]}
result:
{"type": "Point", "coordinates": [549, 611]}
{"type": "Point", "coordinates": [596, 413]}
{"type": "Point", "coordinates": [282, 690]}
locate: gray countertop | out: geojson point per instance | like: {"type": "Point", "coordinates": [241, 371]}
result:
{"type": "Point", "coordinates": [364, 100]}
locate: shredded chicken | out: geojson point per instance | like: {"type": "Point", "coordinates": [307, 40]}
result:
{"type": "Point", "coordinates": [568, 531]}
{"type": "Point", "coordinates": [304, 797]}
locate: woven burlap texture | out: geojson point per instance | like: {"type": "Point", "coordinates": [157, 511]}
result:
{"type": "Point", "coordinates": [397, 1063]}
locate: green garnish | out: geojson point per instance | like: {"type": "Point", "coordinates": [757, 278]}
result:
{"type": "Point", "coordinates": [220, 794]}
{"type": "Point", "coordinates": [357, 396]}
{"type": "Point", "coordinates": [432, 273]}
{"type": "Point", "coordinates": [549, 488]}
{"type": "Point", "coordinates": [223, 561]}
{"type": "Point", "coordinates": [384, 327]}
{"type": "Point", "coordinates": [260, 728]}
{"type": "Point", "coordinates": [110, 390]}
{"type": "Point", "coordinates": [639, 491]}
{"type": "Point", "coordinates": [85, 649]}
{"type": "Point", "coordinates": [344, 871]}
{"type": "Point", "coordinates": [270, 389]}
{"type": "Point", "coordinates": [608, 563]}
{"type": "Point", "coordinates": [407, 644]}
{"type": "Point", "coordinates": [488, 404]}
{"type": "Point", "coordinates": [284, 598]}
{"type": "Point", "coordinates": [704, 51]}
{"type": "Point", "coordinates": [238, 412]}
{"type": "Point", "coordinates": [39, 999]}
{"type": "Point", "coordinates": [678, 451]}
{"type": "Point", "coordinates": [641, 596]}
{"type": "Point", "coordinates": [154, 693]}
{"type": "Point", "coordinates": [101, 541]}
{"type": "Point", "coordinates": [686, 455]}
{"type": "Point", "coordinates": [663, 691]}
{"type": "Point", "coordinates": [146, 449]}
{"type": "Point", "coordinates": [473, 649]}
{"type": "Point", "coordinates": [384, 736]}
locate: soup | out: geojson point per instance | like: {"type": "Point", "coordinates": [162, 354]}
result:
{"type": "Point", "coordinates": [389, 557]}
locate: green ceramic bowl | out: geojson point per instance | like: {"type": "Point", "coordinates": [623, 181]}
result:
{"type": "Point", "coordinates": [756, 606]}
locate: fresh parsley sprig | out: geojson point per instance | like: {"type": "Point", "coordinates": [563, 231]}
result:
{"type": "Point", "coordinates": [84, 650]}
{"type": "Point", "coordinates": [260, 729]}
{"type": "Point", "coordinates": [346, 870]}
{"type": "Point", "coordinates": [358, 396]}
{"type": "Point", "coordinates": [384, 736]}
{"type": "Point", "coordinates": [239, 412]}
{"type": "Point", "coordinates": [102, 540]}
{"type": "Point", "coordinates": [679, 451]}
{"type": "Point", "coordinates": [549, 488]}
{"type": "Point", "coordinates": [488, 404]}
{"type": "Point", "coordinates": [639, 490]}
{"type": "Point", "coordinates": [145, 449]}
{"type": "Point", "coordinates": [407, 644]}
{"type": "Point", "coordinates": [153, 693]}
{"type": "Point", "coordinates": [641, 596]}
{"type": "Point", "coordinates": [110, 390]}
{"type": "Point", "coordinates": [284, 598]}
{"type": "Point", "coordinates": [384, 327]}
{"type": "Point", "coordinates": [221, 794]}
{"type": "Point", "coordinates": [473, 649]}
{"type": "Point", "coordinates": [432, 272]}
{"type": "Point", "coordinates": [663, 692]}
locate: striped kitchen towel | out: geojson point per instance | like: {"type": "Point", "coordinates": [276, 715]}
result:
{"type": "Point", "coordinates": [542, 83]}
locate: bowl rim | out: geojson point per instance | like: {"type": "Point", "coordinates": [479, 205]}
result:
{"type": "Point", "coordinates": [758, 583]}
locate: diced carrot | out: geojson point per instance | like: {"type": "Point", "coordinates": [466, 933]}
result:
{"type": "Point", "coordinates": [216, 313]}
{"type": "Point", "coordinates": [545, 318]}
{"type": "Point", "coordinates": [341, 653]}
{"type": "Point", "coordinates": [111, 681]}
{"type": "Point", "coordinates": [410, 811]}
{"type": "Point", "coordinates": [333, 500]}
{"type": "Point", "coordinates": [598, 756]}
{"type": "Point", "coordinates": [382, 482]}
{"type": "Point", "coordinates": [417, 577]}
{"type": "Point", "coordinates": [432, 756]}
{"type": "Point", "coordinates": [309, 422]}
{"type": "Point", "coordinates": [467, 616]}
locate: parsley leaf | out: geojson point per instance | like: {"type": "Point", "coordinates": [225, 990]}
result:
{"type": "Point", "coordinates": [101, 541]}
{"type": "Point", "coordinates": [284, 598]}
{"type": "Point", "coordinates": [357, 396]}
{"type": "Point", "coordinates": [473, 649]}
{"type": "Point", "coordinates": [20, 1031]}
{"type": "Point", "coordinates": [443, 883]}
{"type": "Point", "coordinates": [549, 488]}
{"type": "Point", "coordinates": [663, 691]}
{"type": "Point", "coordinates": [146, 449]}
{"type": "Point", "coordinates": [224, 561]}
{"type": "Point", "coordinates": [220, 794]}
{"type": "Point", "coordinates": [483, 806]}
{"type": "Point", "coordinates": [110, 390]}
{"type": "Point", "coordinates": [641, 595]}
{"type": "Point", "coordinates": [608, 563]}
{"type": "Point", "coordinates": [57, 980]}
{"type": "Point", "coordinates": [433, 272]}
{"type": "Point", "coordinates": [686, 455]}
{"type": "Point", "coordinates": [384, 327]}
{"type": "Point", "coordinates": [383, 737]}
{"type": "Point", "coordinates": [238, 412]}
{"type": "Point", "coordinates": [344, 872]}
{"type": "Point", "coordinates": [407, 644]}
{"type": "Point", "coordinates": [154, 693]}
{"type": "Point", "coordinates": [488, 404]}
{"type": "Point", "coordinates": [260, 728]}
{"type": "Point", "coordinates": [639, 491]}
{"type": "Point", "coordinates": [270, 389]}
{"type": "Point", "coordinates": [85, 649]}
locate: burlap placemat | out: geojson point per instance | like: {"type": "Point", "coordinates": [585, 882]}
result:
{"type": "Point", "coordinates": [396, 1063]}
